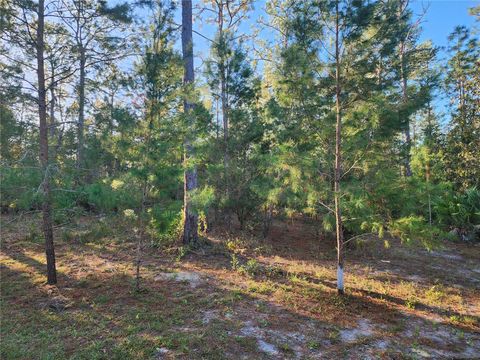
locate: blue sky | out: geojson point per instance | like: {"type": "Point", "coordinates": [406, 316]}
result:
{"type": "Point", "coordinates": [442, 16]}
{"type": "Point", "coordinates": [440, 20]}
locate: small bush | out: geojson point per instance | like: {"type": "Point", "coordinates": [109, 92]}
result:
{"type": "Point", "coordinates": [458, 210]}
{"type": "Point", "coordinates": [112, 195]}
{"type": "Point", "coordinates": [414, 229]}
{"type": "Point", "coordinates": [165, 223]}
{"type": "Point", "coordinates": [251, 267]}
{"type": "Point", "coordinates": [235, 262]}
{"type": "Point", "coordinates": [19, 188]}
{"type": "Point", "coordinates": [96, 233]}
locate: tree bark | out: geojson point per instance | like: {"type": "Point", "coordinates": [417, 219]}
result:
{"type": "Point", "coordinates": [225, 127]}
{"type": "Point", "coordinates": [267, 220]}
{"type": "Point", "coordinates": [42, 113]}
{"type": "Point", "coordinates": [81, 110]}
{"type": "Point", "coordinates": [403, 4]}
{"type": "Point", "coordinates": [408, 141]}
{"type": "Point", "coordinates": [190, 226]}
{"type": "Point", "coordinates": [52, 105]}
{"type": "Point", "coordinates": [338, 158]}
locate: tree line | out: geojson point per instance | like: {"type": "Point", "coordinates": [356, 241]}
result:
{"type": "Point", "coordinates": [324, 110]}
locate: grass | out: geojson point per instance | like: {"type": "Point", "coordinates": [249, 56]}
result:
{"type": "Point", "coordinates": [279, 292]}
{"type": "Point", "coordinates": [113, 322]}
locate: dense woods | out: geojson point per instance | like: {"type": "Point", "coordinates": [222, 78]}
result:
{"type": "Point", "coordinates": [182, 118]}
{"type": "Point", "coordinates": [331, 117]}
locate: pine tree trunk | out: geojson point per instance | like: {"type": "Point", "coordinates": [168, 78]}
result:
{"type": "Point", "coordinates": [190, 226]}
{"type": "Point", "coordinates": [403, 78]}
{"type": "Point", "coordinates": [81, 110]}
{"type": "Point", "coordinates": [224, 99]}
{"type": "Point", "coordinates": [267, 220]}
{"type": "Point", "coordinates": [338, 159]}
{"type": "Point", "coordinates": [42, 112]}
{"type": "Point", "coordinates": [408, 141]}
{"type": "Point", "coordinates": [52, 128]}
{"type": "Point", "coordinates": [225, 132]}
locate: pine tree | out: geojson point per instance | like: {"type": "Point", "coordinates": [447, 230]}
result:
{"type": "Point", "coordinates": [462, 84]}
{"type": "Point", "coordinates": [228, 16]}
{"type": "Point", "coordinates": [26, 35]}
{"type": "Point", "coordinates": [96, 32]}
{"type": "Point", "coordinates": [42, 113]}
{"type": "Point", "coordinates": [190, 218]}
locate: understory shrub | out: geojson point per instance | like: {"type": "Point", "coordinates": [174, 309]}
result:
{"type": "Point", "coordinates": [413, 229]}
{"type": "Point", "coordinates": [458, 210]}
{"type": "Point", "coordinates": [113, 195]}
{"type": "Point", "coordinates": [165, 222]}
{"type": "Point", "coordinates": [19, 188]}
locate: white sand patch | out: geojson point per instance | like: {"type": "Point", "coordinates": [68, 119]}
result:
{"type": "Point", "coordinates": [267, 348]}
{"type": "Point", "coordinates": [208, 316]}
{"type": "Point", "coordinates": [250, 330]}
{"type": "Point", "coordinates": [191, 277]}
{"type": "Point", "coordinates": [422, 353]}
{"type": "Point", "coordinates": [446, 255]}
{"type": "Point", "coordinates": [161, 353]}
{"type": "Point", "coordinates": [415, 278]}
{"type": "Point", "coordinates": [381, 344]}
{"type": "Point", "coordinates": [364, 329]}
{"type": "Point", "coordinates": [294, 340]}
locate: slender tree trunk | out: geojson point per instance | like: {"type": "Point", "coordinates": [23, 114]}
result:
{"type": "Point", "coordinates": [267, 220]}
{"type": "Point", "coordinates": [408, 141]}
{"type": "Point", "coordinates": [225, 128]}
{"type": "Point", "coordinates": [225, 145]}
{"type": "Point", "coordinates": [59, 131]}
{"type": "Point", "coordinates": [427, 167]}
{"type": "Point", "coordinates": [338, 159]}
{"type": "Point", "coordinates": [427, 177]}
{"type": "Point", "coordinates": [81, 110]}
{"type": "Point", "coordinates": [217, 179]}
{"type": "Point", "coordinates": [403, 5]}
{"type": "Point", "coordinates": [52, 106]}
{"type": "Point", "coordinates": [52, 126]}
{"type": "Point", "coordinates": [140, 235]}
{"type": "Point", "coordinates": [224, 99]}
{"type": "Point", "coordinates": [190, 226]}
{"type": "Point", "coordinates": [42, 113]}
{"type": "Point", "coordinates": [111, 163]}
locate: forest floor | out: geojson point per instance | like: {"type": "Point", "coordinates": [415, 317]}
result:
{"type": "Point", "coordinates": [236, 297]}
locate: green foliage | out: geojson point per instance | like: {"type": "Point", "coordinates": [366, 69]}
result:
{"type": "Point", "coordinates": [182, 251]}
{"type": "Point", "coordinates": [10, 134]}
{"type": "Point", "coordinates": [463, 140]}
{"type": "Point", "coordinates": [235, 89]}
{"type": "Point", "coordinates": [250, 268]}
{"type": "Point", "coordinates": [20, 188]}
{"type": "Point", "coordinates": [458, 210]}
{"type": "Point", "coordinates": [165, 223]}
{"type": "Point", "coordinates": [263, 137]}
{"type": "Point", "coordinates": [414, 229]}
{"type": "Point", "coordinates": [97, 233]}
{"type": "Point", "coordinates": [112, 195]}
{"type": "Point", "coordinates": [235, 262]}
{"type": "Point", "coordinates": [202, 199]}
